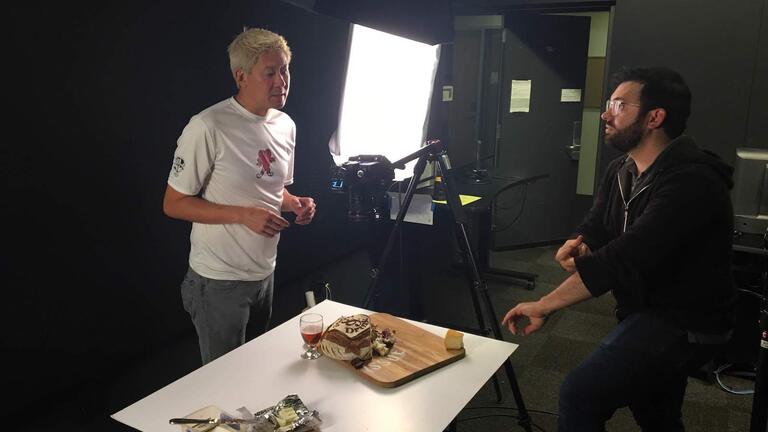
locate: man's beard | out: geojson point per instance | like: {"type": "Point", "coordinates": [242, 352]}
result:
{"type": "Point", "coordinates": [628, 138]}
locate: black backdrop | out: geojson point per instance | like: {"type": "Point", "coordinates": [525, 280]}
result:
{"type": "Point", "coordinates": [98, 97]}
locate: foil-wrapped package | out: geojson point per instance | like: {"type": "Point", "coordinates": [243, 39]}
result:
{"type": "Point", "coordinates": [288, 415]}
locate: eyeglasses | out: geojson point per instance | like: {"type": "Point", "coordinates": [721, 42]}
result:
{"type": "Point", "coordinates": [616, 106]}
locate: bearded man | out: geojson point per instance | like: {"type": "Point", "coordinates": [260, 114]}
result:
{"type": "Point", "coordinates": [658, 237]}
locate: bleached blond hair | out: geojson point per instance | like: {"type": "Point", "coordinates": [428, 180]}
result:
{"type": "Point", "coordinates": [248, 46]}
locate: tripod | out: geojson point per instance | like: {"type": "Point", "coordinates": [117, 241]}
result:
{"type": "Point", "coordinates": [433, 151]}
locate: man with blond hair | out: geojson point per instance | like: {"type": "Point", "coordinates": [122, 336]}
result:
{"type": "Point", "coordinates": [230, 169]}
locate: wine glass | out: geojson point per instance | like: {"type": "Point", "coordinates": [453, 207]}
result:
{"type": "Point", "coordinates": [311, 326]}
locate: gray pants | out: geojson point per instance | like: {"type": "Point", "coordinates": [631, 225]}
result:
{"type": "Point", "coordinates": [221, 311]}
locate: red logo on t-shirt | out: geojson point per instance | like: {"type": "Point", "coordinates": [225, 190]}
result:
{"type": "Point", "coordinates": [265, 162]}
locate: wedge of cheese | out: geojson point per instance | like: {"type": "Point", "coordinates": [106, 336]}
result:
{"type": "Point", "coordinates": [454, 339]}
{"type": "Point", "coordinates": [286, 416]}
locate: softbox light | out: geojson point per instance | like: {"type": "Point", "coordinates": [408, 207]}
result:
{"type": "Point", "coordinates": [386, 97]}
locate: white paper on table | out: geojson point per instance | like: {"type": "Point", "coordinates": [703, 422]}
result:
{"type": "Point", "coordinates": [420, 211]}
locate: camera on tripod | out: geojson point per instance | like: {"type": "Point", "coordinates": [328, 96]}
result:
{"type": "Point", "coordinates": [366, 179]}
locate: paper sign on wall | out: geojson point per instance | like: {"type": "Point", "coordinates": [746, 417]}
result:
{"type": "Point", "coordinates": [447, 93]}
{"type": "Point", "coordinates": [520, 96]}
{"type": "Point", "coordinates": [570, 95]}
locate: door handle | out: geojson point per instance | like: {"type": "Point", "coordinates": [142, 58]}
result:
{"type": "Point", "coordinates": [574, 150]}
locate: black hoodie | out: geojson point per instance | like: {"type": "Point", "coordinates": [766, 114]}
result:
{"type": "Point", "coordinates": [666, 251]}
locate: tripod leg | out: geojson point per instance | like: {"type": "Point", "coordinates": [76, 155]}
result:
{"type": "Point", "coordinates": [486, 331]}
{"type": "Point", "coordinates": [497, 388]}
{"type": "Point", "coordinates": [373, 294]}
{"type": "Point", "coordinates": [759, 420]}
{"type": "Point", "coordinates": [524, 418]}
{"type": "Point", "coordinates": [478, 287]}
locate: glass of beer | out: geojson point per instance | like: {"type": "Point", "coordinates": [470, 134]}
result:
{"type": "Point", "coordinates": [311, 327]}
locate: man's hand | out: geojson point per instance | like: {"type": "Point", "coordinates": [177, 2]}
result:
{"type": "Point", "coordinates": [306, 210]}
{"type": "Point", "coordinates": [533, 311]}
{"type": "Point", "coordinates": [570, 250]}
{"type": "Point", "coordinates": [304, 207]}
{"type": "Point", "coordinates": [570, 292]}
{"type": "Point", "coordinates": [263, 221]}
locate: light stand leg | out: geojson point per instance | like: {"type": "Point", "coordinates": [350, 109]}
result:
{"type": "Point", "coordinates": [371, 297]}
{"type": "Point", "coordinates": [476, 304]}
{"type": "Point", "coordinates": [759, 419]}
{"type": "Point", "coordinates": [479, 288]}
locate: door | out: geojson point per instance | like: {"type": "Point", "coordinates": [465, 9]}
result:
{"type": "Point", "coordinates": [547, 55]}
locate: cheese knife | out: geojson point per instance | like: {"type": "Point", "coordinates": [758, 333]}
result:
{"type": "Point", "coordinates": [213, 420]}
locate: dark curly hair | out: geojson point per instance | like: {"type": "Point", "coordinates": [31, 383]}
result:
{"type": "Point", "coordinates": [662, 88]}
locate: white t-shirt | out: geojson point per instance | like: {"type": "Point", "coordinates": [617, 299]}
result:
{"type": "Point", "coordinates": [234, 157]}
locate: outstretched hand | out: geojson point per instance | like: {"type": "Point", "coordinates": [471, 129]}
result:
{"type": "Point", "coordinates": [532, 311]}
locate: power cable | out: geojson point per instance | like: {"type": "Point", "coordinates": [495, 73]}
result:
{"type": "Point", "coordinates": [727, 388]}
{"type": "Point", "coordinates": [499, 415]}
{"type": "Point", "coordinates": [524, 193]}
{"type": "Point", "coordinates": [505, 415]}
{"type": "Point", "coordinates": [515, 409]}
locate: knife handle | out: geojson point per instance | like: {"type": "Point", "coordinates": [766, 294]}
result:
{"type": "Point", "coordinates": [179, 421]}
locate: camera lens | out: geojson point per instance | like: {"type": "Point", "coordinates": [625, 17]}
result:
{"type": "Point", "coordinates": [365, 178]}
{"type": "Point", "coordinates": [359, 206]}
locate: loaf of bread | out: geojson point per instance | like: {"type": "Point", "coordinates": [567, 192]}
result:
{"type": "Point", "coordinates": [348, 338]}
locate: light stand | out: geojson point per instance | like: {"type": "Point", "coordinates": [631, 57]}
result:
{"type": "Point", "coordinates": [759, 419]}
{"type": "Point", "coordinates": [434, 151]}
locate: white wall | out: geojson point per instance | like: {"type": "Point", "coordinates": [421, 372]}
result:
{"type": "Point", "coordinates": [590, 121]}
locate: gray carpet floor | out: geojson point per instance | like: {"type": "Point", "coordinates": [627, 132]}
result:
{"type": "Point", "coordinates": [544, 358]}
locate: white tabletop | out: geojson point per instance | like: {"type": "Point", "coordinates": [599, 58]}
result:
{"type": "Point", "coordinates": [265, 370]}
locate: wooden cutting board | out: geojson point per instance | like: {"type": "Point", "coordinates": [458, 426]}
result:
{"type": "Point", "coordinates": [416, 352]}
